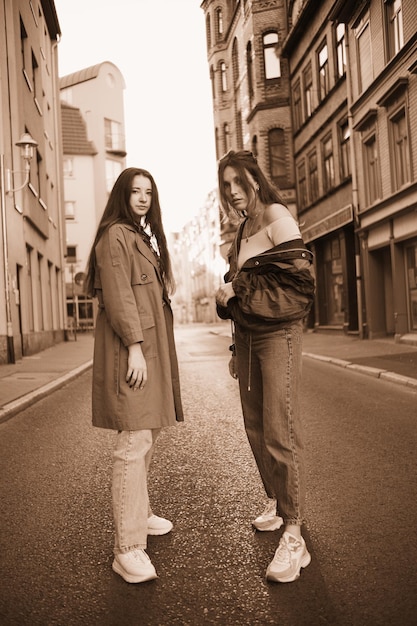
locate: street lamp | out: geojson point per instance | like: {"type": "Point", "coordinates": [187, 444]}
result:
{"type": "Point", "coordinates": [26, 144]}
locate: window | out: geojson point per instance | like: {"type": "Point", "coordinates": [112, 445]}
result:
{"type": "Point", "coordinates": [213, 83]}
{"type": "Point", "coordinates": [226, 138]}
{"type": "Point", "coordinates": [400, 153]}
{"type": "Point", "coordinates": [23, 48]}
{"type": "Point", "coordinates": [113, 169]}
{"type": "Point", "coordinates": [298, 112]}
{"type": "Point", "coordinates": [411, 253]}
{"type": "Point", "coordinates": [371, 168]}
{"type": "Point", "coordinates": [36, 87]}
{"type": "Point", "coordinates": [302, 185]}
{"type": "Point", "coordinates": [39, 293]}
{"type": "Point", "coordinates": [363, 51]}
{"type": "Point", "coordinates": [328, 163]}
{"type": "Point", "coordinates": [276, 145]}
{"type": "Point", "coordinates": [69, 210]}
{"type": "Point", "coordinates": [239, 131]}
{"type": "Point", "coordinates": [334, 284]}
{"type": "Point", "coordinates": [340, 50]}
{"type": "Point", "coordinates": [344, 139]}
{"type": "Point", "coordinates": [113, 135]}
{"type": "Point", "coordinates": [223, 76]}
{"type": "Point", "coordinates": [208, 31]}
{"type": "Point", "coordinates": [323, 59]}
{"type": "Point", "coordinates": [249, 66]}
{"type": "Point", "coordinates": [308, 90]}
{"type": "Point", "coordinates": [271, 61]}
{"type": "Point", "coordinates": [71, 254]}
{"type": "Point", "coordinates": [394, 20]}
{"type": "Point", "coordinates": [313, 176]}
{"type": "Point", "coordinates": [235, 64]}
{"type": "Point", "coordinates": [68, 167]}
{"type": "Point", "coordinates": [219, 23]}
{"type": "Point", "coordinates": [27, 294]}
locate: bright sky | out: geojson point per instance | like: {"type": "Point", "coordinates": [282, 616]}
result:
{"type": "Point", "coordinates": [160, 48]}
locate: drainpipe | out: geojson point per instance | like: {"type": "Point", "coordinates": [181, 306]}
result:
{"type": "Point", "coordinates": [355, 201]}
{"type": "Point", "coordinates": [10, 342]}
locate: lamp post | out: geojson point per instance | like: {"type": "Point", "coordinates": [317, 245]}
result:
{"type": "Point", "coordinates": [26, 144]}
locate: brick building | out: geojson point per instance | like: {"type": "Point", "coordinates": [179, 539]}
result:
{"type": "Point", "coordinates": [316, 54]}
{"type": "Point", "coordinates": [325, 93]}
{"type": "Point", "coordinates": [382, 101]}
{"type": "Point", "coordinates": [250, 87]}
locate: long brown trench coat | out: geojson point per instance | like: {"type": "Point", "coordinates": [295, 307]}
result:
{"type": "Point", "coordinates": [132, 308]}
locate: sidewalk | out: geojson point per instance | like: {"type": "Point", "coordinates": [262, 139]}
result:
{"type": "Point", "coordinates": [33, 377]}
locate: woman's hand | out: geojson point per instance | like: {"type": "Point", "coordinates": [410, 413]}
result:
{"type": "Point", "coordinates": [224, 293]}
{"type": "Point", "coordinates": [232, 367]}
{"type": "Point", "coordinates": [137, 372]}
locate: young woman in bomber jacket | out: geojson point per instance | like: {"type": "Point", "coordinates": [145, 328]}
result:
{"type": "Point", "coordinates": [268, 292]}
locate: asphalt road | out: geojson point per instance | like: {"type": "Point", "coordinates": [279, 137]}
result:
{"type": "Point", "coordinates": [56, 529]}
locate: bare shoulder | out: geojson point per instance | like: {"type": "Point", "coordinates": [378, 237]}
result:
{"type": "Point", "coordinates": [274, 212]}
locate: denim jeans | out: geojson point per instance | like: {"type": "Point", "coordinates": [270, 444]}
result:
{"type": "Point", "coordinates": [269, 372]}
{"type": "Point", "coordinates": [131, 509]}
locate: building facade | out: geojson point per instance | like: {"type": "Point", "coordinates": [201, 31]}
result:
{"type": "Point", "coordinates": [94, 154]}
{"type": "Point", "coordinates": [32, 298]}
{"type": "Point", "coordinates": [251, 88]}
{"type": "Point", "coordinates": [324, 93]}
{"type": "Point", "coordinates": [316, 53]}
{"type": "Point", "coordinates": [382, 100]}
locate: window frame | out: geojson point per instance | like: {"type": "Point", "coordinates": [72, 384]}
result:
{"type": "Point", "coordinates": [394, 27]}
{"type": "Point", "coordinates": [268, 60]}
{"type": "Point", "coordinates": [363, 26]}
{"type": "Point", "coordinates": [323, 71]}
{"type": "Point", "coordinates": [401, 157]}
{"type": "Point", "coordinates": [340, 48]}
{"type": "Point", "coordinates": [328, 163]}
{"type": "Point", "coordinates": [297, 105]}
{"type": "Point", "coordinates": [276, 152]}
{"type": "Point", "coordinates": [308, 90]}
{"type": "Point", "coordinates": [313, 175]}
{"type": "Point", "coordinates": [302, 185]}
{"type": "Point", "coordinates": [345, 168]}
{"type": "Point", "coordinates": [371, 167]}
{"type": "Point", "coordinates": [223, 76]}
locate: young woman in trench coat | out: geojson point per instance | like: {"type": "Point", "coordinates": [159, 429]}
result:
{"type": "Point", "coordinates": [136, 388]}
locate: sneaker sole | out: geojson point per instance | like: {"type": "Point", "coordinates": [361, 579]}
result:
{"type": "Point", "coordinates": [275, 577]}
{"type": "Point", "coordinates": [159, 531]}
{"type": "Point", "coordinates": [271, 525]}
{"type": "Point", "coordinates": [130, 578]}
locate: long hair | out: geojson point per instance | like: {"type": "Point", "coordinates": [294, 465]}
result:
{"type": "Point", "coordinates": [243, 162]}
{"type": "Point", "coordinates": [118, 210]}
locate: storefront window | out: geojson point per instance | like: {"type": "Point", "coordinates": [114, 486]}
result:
{"type": "Point", "coordinates": [412, 284]}
{"type": "Point", "coordinates": [334, 282]}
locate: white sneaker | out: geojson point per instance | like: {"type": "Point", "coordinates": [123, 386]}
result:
{"type": "Point", "coordinates": [134, 566]}
{"type": "Point", "coordinates": [269, 520]}
{"type": "Point", "coordinates": [158, 525]}
{"type": "Point", "coordinates": [290, 556]}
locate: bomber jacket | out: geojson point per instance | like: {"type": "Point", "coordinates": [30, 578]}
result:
{"type": "Point", "coordinates": [272, 289]}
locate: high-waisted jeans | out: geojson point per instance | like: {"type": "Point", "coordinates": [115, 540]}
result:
{"type": "Point", "coordinates": [131, 509]}
{"type": "Point", "coordinates": [269, 372]}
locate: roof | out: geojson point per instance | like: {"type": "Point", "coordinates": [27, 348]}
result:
{"type": "Point", "coordinates": [74, 132]}
{"type": "Point", "coordinates": [88, 73]}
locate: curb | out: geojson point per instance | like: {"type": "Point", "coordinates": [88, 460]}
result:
{"type": "Point", "coordinates": [365, 369]}
{"type": "Point", "coordinates": [8, 410]}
